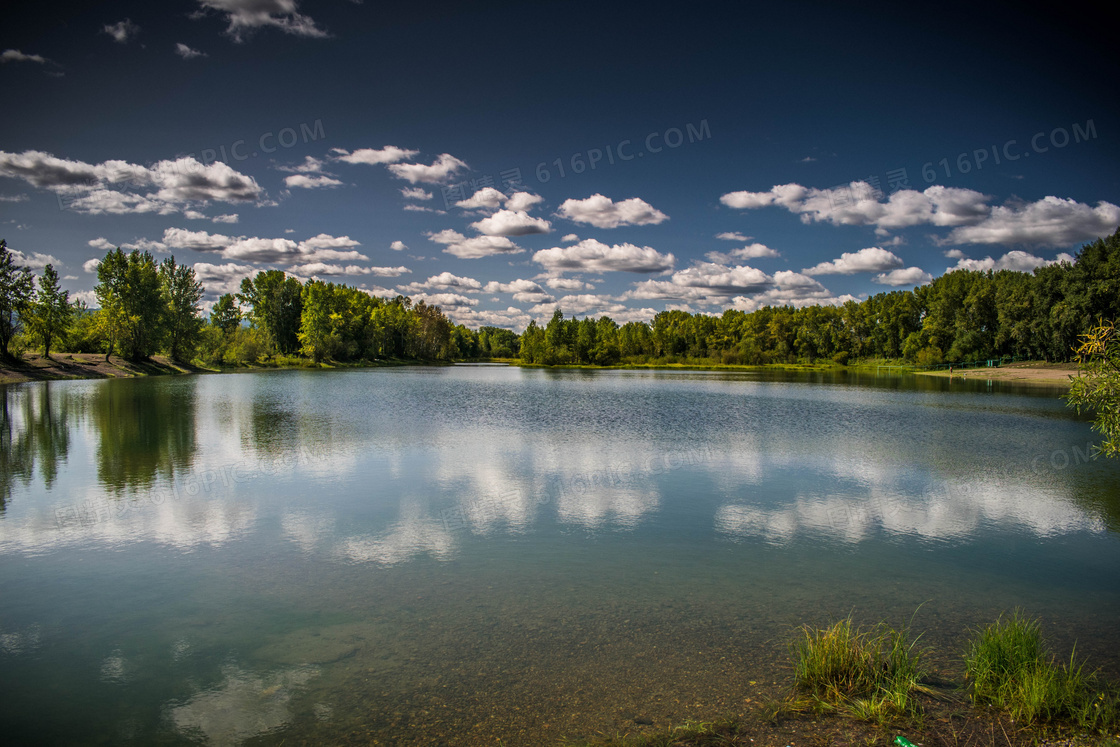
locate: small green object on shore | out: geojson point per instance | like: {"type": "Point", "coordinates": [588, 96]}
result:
{"type": "Point", "coordinates": [903, 742]}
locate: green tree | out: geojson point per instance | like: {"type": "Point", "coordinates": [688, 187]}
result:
{"type": "Point", "coordinates": [132, 303]}
{"type": "Point", "coordinates": [226, 315]}
{"type": "Point", "coordinates": [182, 293]}
{"type": "Point", "coordinates": [320, 321]}
{"type": "Point", "coordinates": [1097, 386]}
{"type": "Point", "coordinates": [49, 315]}
{"type": "Point", "coordinates": [276, 307]}
{"type": "Point", "coordinates": [15, 293]}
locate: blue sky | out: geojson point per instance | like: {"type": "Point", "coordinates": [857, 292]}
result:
{"type": "Point", "coordinates": [742, 155]}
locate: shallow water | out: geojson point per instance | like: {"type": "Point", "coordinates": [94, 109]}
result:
{"type": "Point", "coordinates": [455, 555]}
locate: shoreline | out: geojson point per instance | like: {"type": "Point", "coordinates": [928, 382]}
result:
{"type": "Point", "coordinates": [70, 366]}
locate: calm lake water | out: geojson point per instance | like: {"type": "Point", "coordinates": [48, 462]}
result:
{"type": "Point", "coordinates": [456, 555]}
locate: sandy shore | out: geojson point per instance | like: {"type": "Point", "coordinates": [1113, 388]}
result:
{"type": "Point", "coordinates": [1027, 372]}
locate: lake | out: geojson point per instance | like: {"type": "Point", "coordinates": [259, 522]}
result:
{"type": "Point", "coordinates": [452, 555]}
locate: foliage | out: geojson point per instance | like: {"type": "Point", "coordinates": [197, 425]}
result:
{"type": "Point", "coordinates": [133, 309]}
{"type": "Point", "coordinates": [49, 315]}
{"type": "Point", "coordinates": [15, 293]}
{"type": "Point", "coordinates": [182, 293]}
{"type": "Point", "coordinates": [226, 315]}
{"type": "Point", "coordinates": [1010, 668]}
{"type": "Point", "coordinates": [1097, 386]}
{"type": "Point", "coordinates": [275, 307]}
{"type": "Point", "coordinates": [961, 316]}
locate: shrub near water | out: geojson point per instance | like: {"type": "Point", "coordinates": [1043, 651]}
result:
{"type": "Point", "coordinates": [1011, 669]}
{"type": "Point", "coordinates": [870, 674]}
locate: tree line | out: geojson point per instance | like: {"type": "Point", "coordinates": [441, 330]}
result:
{"type": "Point", "coordinates": [146, 307]}
{"type": "Point", "coordinates": [963, 315]}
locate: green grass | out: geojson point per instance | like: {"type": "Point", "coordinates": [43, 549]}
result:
{"type": "Point", "coordinates": [1011, 669]}
{"type": "Point", "coordinates": [870, 674]}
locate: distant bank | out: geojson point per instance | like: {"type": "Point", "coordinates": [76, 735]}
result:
{"type": "Point", "coordinates": [61, 366]}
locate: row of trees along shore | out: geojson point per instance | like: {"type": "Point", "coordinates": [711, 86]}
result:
{"type": "Point", "coordinates": [963, 315]}
{"type": "Point", "coordinates": [146, 307]}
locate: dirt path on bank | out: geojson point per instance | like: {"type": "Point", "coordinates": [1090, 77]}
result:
{"type": "Point", "coordinates": [34, 367]}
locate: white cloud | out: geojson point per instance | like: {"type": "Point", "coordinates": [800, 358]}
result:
{"type": "Point", "coordinates": [388, 154]}
{"type": "Point", "coordinates": [857, 204]}
{"type": "Point", "coordinates": [185, 179]}
{"type": "Point", "coordinates": [569, 238]}
{"type": "Point", "coordinates": [523, 201]}
{"type": "Point", "coordinates": [398, 246]}
{"type": "Point", "coordinates": [35, 260]}
{"type": "Point", "coordinates": [524, 291]}
{"type": "Point", "coordinates": [871, 259]}
{"type": "Point", "coordinates": [486, 198]}
{"type": "Point", "coordinates": [14, 198]}
{"type": "Point", "coordinates": [310, 165]}
{"type": "Point", "coordinates": [321, 248]}
{"type": "Point", "coordinates": [1019, 261]}
{"type": "Point", "coordinates": [312, 269]}
{"type": "Point", "coordinates": [103, 201]}
{"type": "Point", "coordinates": [510, 223]}
{"type": "Point", "coordinates": [474, 248]}
{"type": "Point", "coordinates": [246, 16]}
{"type": "Point", "coordinates": [594, 256]}
{"type": "Point", "coordinates": [14, 55]}
{"type": "Point", "coordinates": [121, 31]}
{"type": "Point", "coordinates": [310, 182]}
{"type": "Point", "coordinates": [416, 193]}
{"type": "Point", "coordinates": [601, 212]}
{"type": "Point", "coordinates": [751, 251]}
{"type": "Point", "coordinates": [89, 298]}
{"type": "Point", "coordinates": [711, 284]}
{"type": "Point", "coordinates": [199, 241]}
{"type": "Point", "coordinates": [705, 283]}
{"type": "Point", "coordinates": [954, 254]}
{"type": "Point", "coordinates": [1049, 222]}
{"type": "Point", "coordinates": [444, 281]}
{"type": "Point", "coordinates": [224, 278]}
{"type": "Point", "coordinates": [225, 218]}
{"type": "Point", "coordinates": [908, 276]}
{"type": "Point", "coordinates": [567, 284]}
{"type": "Point", "coordinates": [378, 291]}
{"type": "Point", "coordinates": [422, 209]}
{"type": "Point", "coordinates": [444, 300]}
{"type": "Point", "coordinates": [145, 245]}
{"type": "Point", "coordinates": [442, 169]}
{"type": "Point", "coordinates": [732, 236]}
{"type": "Point", "coordinates": [91, 265]}
{"type": "Point", "coordinates": [162, 188]}
{"type": "Point", "coordinates": [187, 53]}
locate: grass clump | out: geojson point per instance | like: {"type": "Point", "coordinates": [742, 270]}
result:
{"type": "Point", "coordinates": [871, 674]}
{"type": "Point", "coordinates": [1011, 669]}
{"type": "Point", "coordinates": [691, 733]}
